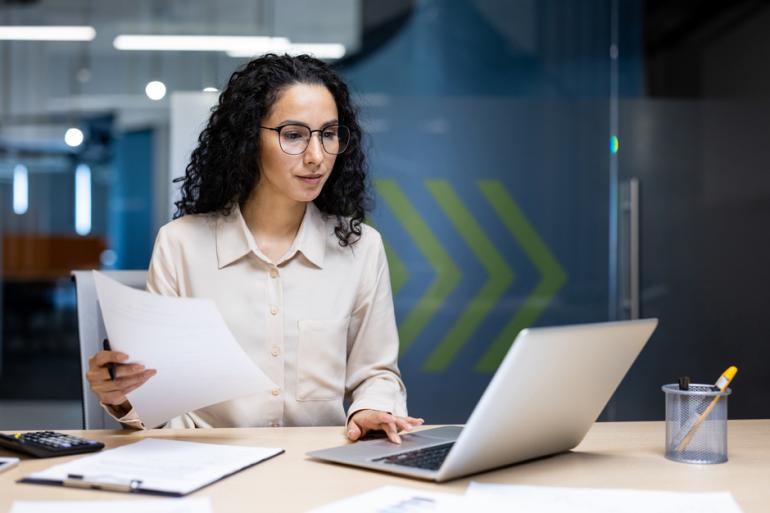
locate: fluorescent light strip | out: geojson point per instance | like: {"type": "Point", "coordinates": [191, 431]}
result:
{"type": "Point", "coordinates": [83, 199]}
{"type": "Point", "coordinates": [20, 189]}
{"type": "Point", "coordinates": [319, 50]}
{"type": "Point", "coordinates": [47, 33]}
{"type": "Point", "coordinates": [198, 43]}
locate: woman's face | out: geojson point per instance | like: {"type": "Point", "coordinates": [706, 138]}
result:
{"type": "Point", "coordinates": [297, 177]}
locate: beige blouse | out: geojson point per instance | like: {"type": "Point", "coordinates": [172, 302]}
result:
{"type": "Point", "coordinates": [319, 322]}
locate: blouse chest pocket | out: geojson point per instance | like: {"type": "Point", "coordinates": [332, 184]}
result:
{"type": "Point", "coordinates": [321, 359]}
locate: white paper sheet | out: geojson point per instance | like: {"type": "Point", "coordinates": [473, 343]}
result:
{"type": "Point", "coordinates": [161, 465]}
{"type": "Point", "coordinates": [492, 498]}
{"type": "Point", "coordinates": [198, 360]}
{"type": "Point", "coordinates": [393, 499]}
{"type": "Point", "coordinates": [196, 505]}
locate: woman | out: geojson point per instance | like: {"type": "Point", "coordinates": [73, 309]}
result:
{"type": "Point", "coordinates": [270, 227]}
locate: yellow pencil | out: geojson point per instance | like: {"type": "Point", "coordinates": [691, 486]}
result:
{"type": "Point", "coordinates": [722, 383]}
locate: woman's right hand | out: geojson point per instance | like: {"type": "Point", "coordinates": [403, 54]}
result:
{"type": "Point", "coordinates": [128, 377]}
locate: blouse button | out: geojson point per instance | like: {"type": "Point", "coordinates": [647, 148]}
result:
{"type": "Point", "coordinates": [275, 351]}
{"type": "Point", "coordinates": [274, 310]}
{"type": "Point", "coordinates": [276, 391]}
{"type": "Point", "coordinates": [274, 273]}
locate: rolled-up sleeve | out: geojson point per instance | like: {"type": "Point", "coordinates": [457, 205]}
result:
{"type": "Point", "coordinates": [373, 380]}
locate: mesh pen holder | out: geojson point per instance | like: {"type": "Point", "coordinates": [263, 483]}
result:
{"type": "Point", "coordinates": [696, 425]}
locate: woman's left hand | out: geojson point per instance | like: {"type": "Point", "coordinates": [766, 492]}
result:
{"type": "Point", "coordinates": [364, 421]}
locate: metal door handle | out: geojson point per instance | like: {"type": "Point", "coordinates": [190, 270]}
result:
{"type": "Point", "coordinates": [629, 240]}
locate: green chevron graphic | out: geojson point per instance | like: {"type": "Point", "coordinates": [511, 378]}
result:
{"type": "Point", "coordinates": [398, 272]}
{"type": "Point", "coordinates": [447, 273]}
{"type": "Point", "coordinates": [500, 276]}
{"type": "Point", "coordinates": [553, 276]}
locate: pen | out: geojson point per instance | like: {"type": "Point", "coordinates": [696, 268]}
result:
{"type": "Point", "coordinates": [111, 365]}
{"type": "Point", "coordinates": [102, 483]}
{"type": "Point", "coordinates": [722, 383]}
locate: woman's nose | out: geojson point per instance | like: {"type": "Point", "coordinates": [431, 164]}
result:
{"type": "Point", "coordinates": [314, 151]}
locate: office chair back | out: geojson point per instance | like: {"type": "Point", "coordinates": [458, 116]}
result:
{"type": "Point", "coordinates": [91, 332]}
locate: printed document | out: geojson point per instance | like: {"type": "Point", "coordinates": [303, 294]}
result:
{"type": "Point", "coordinates": [493, 498]}
{"type": "Point", "coordinates": [193, 505]}
{"type": "Point", "coordinates": [394, 499]}
{"type": "Point", "coordinates": [198, 360]}
{"type": "Point", "coordinates": [172, 467]}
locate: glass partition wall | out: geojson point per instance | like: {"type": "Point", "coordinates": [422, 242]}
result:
{"type": "Point", "coordinates": [694, 149]}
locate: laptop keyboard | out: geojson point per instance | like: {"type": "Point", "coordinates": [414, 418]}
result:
{"type": "Point", "coordinates": [429, 458]}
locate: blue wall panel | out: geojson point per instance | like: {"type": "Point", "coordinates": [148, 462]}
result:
{"type": "Point", "coordinates": [131, 232]}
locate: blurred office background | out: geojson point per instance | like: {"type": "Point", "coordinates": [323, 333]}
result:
{"type": "Point", "coordinates": [534, 163]}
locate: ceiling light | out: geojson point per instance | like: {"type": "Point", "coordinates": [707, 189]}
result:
{"type": "Point", "coordinates": [318, 50]}
{"type": "Point", "coordinates": [73, 137]}
{"type": "Point", "coordinates": [210, 90]}
{"type": "Point", "coordinates": [155, 90]}
{"type": "Point", "coordinates": [83, 199]}
{"type": "Point", "coordinates": [20, 189]}
{"type": "Point", "coordinates": [197, 43]}
{"type": "Point", "coordinates": [49, 33]}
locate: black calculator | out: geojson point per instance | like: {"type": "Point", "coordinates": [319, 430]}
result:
{"type": "Point", "coordinates": [48, 444]}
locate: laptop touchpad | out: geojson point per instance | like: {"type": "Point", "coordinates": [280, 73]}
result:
{"type": "Point", "coordinates": [408, 442]}
{"type": "Point", "coordinates": [419, 439]}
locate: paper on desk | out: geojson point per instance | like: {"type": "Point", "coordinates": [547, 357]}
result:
{"type": "Point", "coordinates": [198, 360]}
{"type": "Point", "coordinates": [492, 498]}
{"type": "Point", "coordinates": [196, 505]}
{"type": "Point", "coordinates": [394, 499]}
{"type": "Point", "coordinates": [171, 466]}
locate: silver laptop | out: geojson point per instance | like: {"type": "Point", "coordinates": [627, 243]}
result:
{"type": "Point", "coordinates": [546, 394]}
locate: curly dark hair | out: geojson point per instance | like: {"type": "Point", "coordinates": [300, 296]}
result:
{"type": "Point", "coordinates": [224, 168]}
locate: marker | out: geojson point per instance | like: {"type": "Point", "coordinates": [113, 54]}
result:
{"type": "Point", "coordinates": [726, 377]}
{"type": "Point", "coordinates": [724, 380]}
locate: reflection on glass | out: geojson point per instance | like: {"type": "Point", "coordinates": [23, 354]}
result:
{"type": "Point", "coordinates": [20, 189]}
{"type": "Point", "coordinates": [83, 199]}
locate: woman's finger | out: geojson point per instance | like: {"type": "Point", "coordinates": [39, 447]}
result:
{"type": "Point", "coordinates": [414, 421]}
{"type": "Point", "coordinates": [132, 388]}
{"type": "Point", "coordinates": [106, 386]}
{"type": "Point", "coordinates": [124, 371]}
{"type": "Point", "coordinates": [354, 432]}
{"type": "Point", "coordinates": [124, 383]}
{"type": "Point", "coordinates": [146, 376]}
{"type": "Point", "coordinates": [402, 424]}
{"type": "Point", "coordinates": [392, 432]}
{"type": "Point", "coordinates": [121, 385]}
{"type": "Point", "coordinates": [104, 357]}
{"type": "Point", "coordinates": [96, 375]}
{"type": "Point", "coordinates": [121, 371]}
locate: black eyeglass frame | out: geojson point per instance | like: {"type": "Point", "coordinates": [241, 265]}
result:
{"type": "Point", "coordinates": [278, 129]}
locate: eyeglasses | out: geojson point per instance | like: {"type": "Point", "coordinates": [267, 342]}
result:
{"type": "Point", "coordinates": [294, 139]}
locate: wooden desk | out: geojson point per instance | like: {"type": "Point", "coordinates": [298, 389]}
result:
{"type": "Point", "coordinates": [613, 455]}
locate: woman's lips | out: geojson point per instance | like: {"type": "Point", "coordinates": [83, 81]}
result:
{"type": "Point", "coordinates": [311, 179]}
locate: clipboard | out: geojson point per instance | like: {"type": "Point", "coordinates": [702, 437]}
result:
{"type": "Point", "coordinates": [154, 466]}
